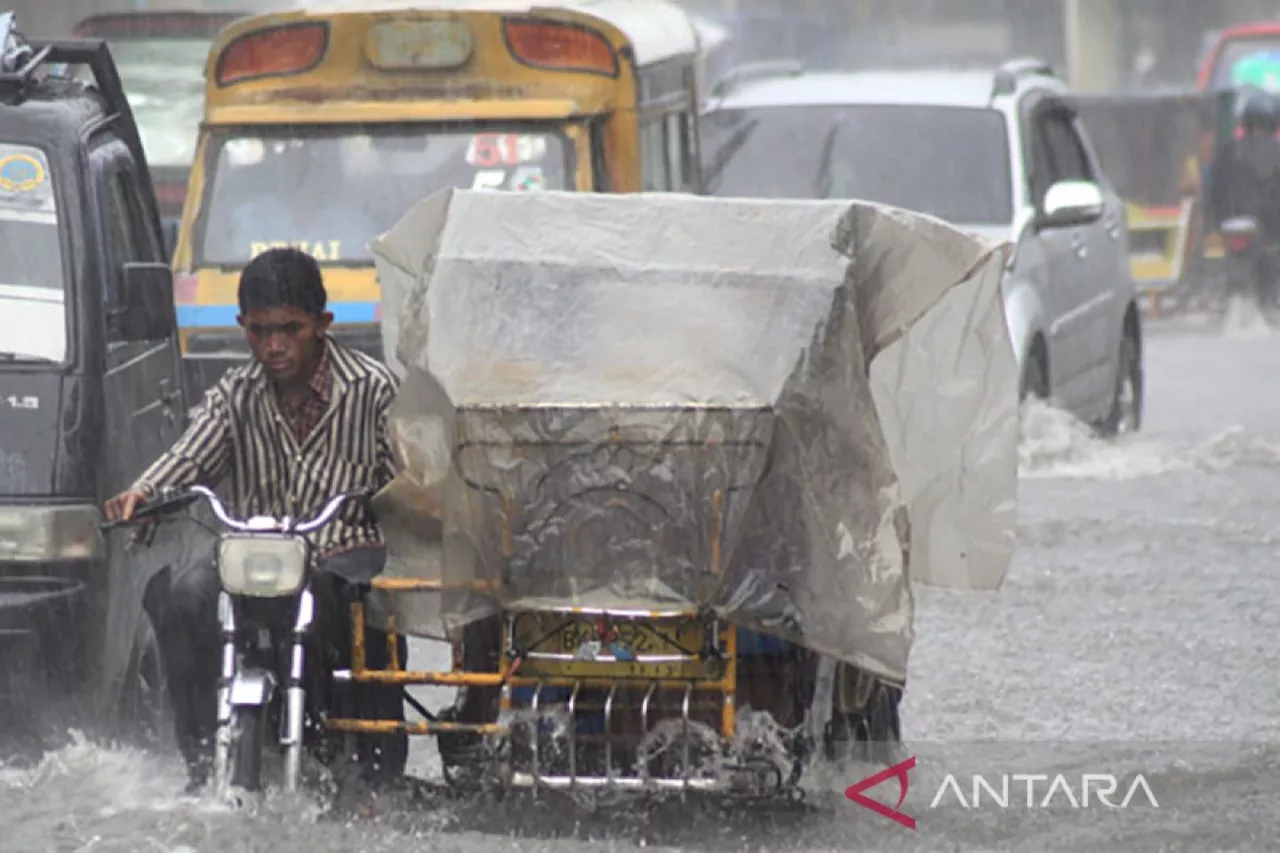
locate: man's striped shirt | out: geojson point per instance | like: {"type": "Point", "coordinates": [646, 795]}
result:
{"type": "Point", "coordinates": [240, 435]}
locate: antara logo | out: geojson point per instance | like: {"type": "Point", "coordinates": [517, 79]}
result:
{"type": "Point", "coordinates": [898, 771]}
{"type": "Point", "coordinates": [1058, 789]}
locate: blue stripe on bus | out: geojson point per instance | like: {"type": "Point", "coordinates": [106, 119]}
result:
{"type": "Point", "coordinates": [224, 316]}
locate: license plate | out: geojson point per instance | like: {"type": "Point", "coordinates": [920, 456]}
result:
{"type": "Point", "coordinates": [576, 647]}
{"type": "Point", "coordinates": [423, 44]}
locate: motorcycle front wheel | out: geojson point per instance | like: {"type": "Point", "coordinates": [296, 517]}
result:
{"type": "Point", "coordinates": [248, 731]}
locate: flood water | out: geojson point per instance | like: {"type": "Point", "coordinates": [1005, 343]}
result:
{"type": "Point", "coordinates": [1137, 633]}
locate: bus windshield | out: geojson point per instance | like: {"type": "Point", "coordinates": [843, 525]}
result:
{"type": "Point", "coordinates": [329, 191]}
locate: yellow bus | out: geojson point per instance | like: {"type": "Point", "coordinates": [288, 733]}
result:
{"type": "Point", "coordinates": [323, 125]}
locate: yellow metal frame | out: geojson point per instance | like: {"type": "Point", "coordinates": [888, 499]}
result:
{"type": "Point", "coordinates": [507, 676]}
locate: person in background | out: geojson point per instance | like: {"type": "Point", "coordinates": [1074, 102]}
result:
{"type": "Point", "coordinates": [1244, 180]}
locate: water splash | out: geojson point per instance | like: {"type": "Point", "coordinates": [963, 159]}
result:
{"type": "Point", "coordinates": [1055, 445]}
{"type": "Point", "coordinates": [1244, 320]}
{"type": "Point", "coordinates": [136, 779]}
{"type": "Point", "coordinates": [90, 796]}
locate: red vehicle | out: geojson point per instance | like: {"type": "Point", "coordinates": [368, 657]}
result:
{"type": "Point", "coordinates": [1244, 56]}
{"type": "Point", "coordinates": [161, 56]}
{"type": "Point", "coordinates": [1235, 45]}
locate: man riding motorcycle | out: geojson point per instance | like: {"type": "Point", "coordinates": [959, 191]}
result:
{"type": "Point", "coordinates": [1244, 180]}
{"type": "Point", "coordinates": [304, 420]}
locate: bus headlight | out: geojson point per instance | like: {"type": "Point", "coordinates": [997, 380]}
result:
{"type": "Point", "coordinates": [262, 566]}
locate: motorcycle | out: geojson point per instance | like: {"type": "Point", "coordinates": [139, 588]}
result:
{"type": "Point", "coordinates": [1243, 270]}
{"type": "Point", "coordinates": [266, 611]}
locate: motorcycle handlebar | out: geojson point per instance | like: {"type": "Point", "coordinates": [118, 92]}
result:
{"type": "Point", "coordinates": [165, 504]}
{"type": "Point", "coordinates": [173, 501]}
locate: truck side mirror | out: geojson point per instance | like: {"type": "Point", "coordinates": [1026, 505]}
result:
{"type": "Point", "coordinates": [145, 308]}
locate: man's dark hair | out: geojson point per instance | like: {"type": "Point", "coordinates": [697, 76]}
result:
{"type": "Point", "coordinates": [282, 277]}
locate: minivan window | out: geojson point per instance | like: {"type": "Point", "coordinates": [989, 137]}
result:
{"type": "Point", "coordinates": [950, 162]}
{"type": "Point", "coordinates": [33, 317]}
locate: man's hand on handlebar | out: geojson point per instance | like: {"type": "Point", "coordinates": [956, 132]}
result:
{"type": "Point", "coordinates": [123, 505]}
{"type": "Point", "coordinates": [121, 509]}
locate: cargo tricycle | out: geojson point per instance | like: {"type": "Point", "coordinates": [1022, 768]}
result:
{"type": "Point", "coordinates": [668, 467]}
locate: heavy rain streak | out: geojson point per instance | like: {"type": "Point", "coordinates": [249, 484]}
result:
{"type": "Point", "coordinates": [1081, 655]}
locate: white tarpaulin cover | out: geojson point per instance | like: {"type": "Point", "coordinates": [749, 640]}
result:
{"type": "Point", "coordinates": [662, 401]}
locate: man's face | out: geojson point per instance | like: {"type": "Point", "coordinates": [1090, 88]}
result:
{"type": "Point", "coordinates": [285, 340]}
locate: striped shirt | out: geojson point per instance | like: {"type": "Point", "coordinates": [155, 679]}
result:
{"type": "Point", "coordinates": [240, 435]}
{"type": "Point", "coordinates": [302, 418]}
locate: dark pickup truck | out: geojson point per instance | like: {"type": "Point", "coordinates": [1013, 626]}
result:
{"type": "Point", "coordinates": [89, 382]}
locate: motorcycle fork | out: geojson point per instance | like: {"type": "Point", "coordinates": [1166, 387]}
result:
{"type": "Point", "coordinates": [296, 692]}
{"type": "Point", "coordinates": [222, 748]}
{"type": "Point", "coordinates": [295, 689]}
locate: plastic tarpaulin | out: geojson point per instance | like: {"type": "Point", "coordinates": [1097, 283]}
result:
{"type": "Point", "coordinates": [781, 410]}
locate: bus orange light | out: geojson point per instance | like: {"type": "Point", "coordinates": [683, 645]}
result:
{"type": "Point", "coordinates": [274, 52]}
{"type": "Point", "coordinates": [560, 47]}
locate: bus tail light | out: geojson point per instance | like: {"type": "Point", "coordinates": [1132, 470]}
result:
{"type": "Point", "coordinates": [560, 47]}
{"type": "Point", "coordinates": [274, 52]}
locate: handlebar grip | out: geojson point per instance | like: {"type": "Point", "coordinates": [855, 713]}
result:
{"type": "Point", "coordinates": [149, 511]}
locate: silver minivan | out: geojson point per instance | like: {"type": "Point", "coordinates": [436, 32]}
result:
{"type": "Point", "coordinates": [1001, 155]}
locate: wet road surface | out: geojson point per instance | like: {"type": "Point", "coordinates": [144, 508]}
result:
{"type": "Point", "coordinates": [1137, 634]}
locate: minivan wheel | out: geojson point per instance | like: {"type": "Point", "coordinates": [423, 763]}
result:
{"type": "Point", "coordinates": [1035, 378]}
{"type": "Point", "coordinates": [1126, 404]}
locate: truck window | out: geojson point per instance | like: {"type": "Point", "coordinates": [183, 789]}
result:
{"type": "Point", "coordinates": [124, 246]}
{"type": "Point", "coordinates": [33, 284]}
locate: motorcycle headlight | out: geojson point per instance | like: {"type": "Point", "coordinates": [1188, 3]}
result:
{"type": "Point", "coordinates": [262, 566]}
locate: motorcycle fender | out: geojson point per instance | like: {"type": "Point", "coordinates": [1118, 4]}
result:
{"type": "Point", "coordinates": [252, 687]}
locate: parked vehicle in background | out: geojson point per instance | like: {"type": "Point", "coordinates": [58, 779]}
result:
{"type": "Point", "coordinates": [1244, 55]}
{"type": "Point", "coordinates": [161, 56]}
{"type": "Point", "coordinates": [1239, 59]}
{"type": "Point", "coordinates": [89, 383]}
{"type": "Point", "coordinates": [322, 125]}
{"type": "Point", "coordinates": [1001, 155]}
